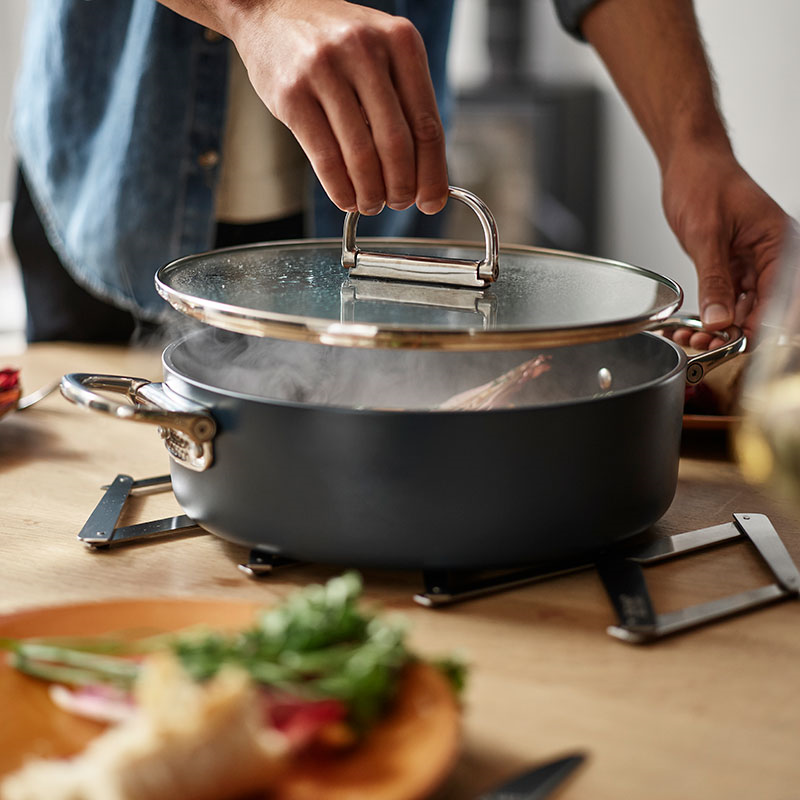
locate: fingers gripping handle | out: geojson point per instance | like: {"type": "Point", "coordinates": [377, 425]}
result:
{"type": "Point", "coordinates": [456, 272]}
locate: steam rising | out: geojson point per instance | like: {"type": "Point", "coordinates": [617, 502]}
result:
{"type": "Point", "coordinates": [402, 379]}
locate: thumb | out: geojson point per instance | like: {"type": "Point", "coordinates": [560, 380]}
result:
{"type": "Point", "coordinates": [714, 285]}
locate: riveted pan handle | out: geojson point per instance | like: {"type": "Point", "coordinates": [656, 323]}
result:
{"type": "Point", "coordinates": [735, 342]}
{"type": "Point", "coordinates": [187, 428]}
{"type": "Point", "coordinates": [426, 269]}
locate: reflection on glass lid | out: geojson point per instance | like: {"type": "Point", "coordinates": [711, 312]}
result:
{"type": "Point", "coordinates": [300, 291]}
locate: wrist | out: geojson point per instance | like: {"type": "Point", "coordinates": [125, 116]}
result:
{"type": "Point", "coordinates": [228, 17]}
{"type": "Point", "coordinates": [236, 16]}
{"type": "Point", "coordinates": [691, 132]}
{"type": "Point", "coordinates": [695, 150]}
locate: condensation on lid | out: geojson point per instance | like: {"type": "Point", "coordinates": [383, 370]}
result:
{"type": "Point", "coordinates": [299, 291]}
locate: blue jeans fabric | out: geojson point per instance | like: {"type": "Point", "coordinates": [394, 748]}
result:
{"type": "Point", "coordinates": [118, 119]}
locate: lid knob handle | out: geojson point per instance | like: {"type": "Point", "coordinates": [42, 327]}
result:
{"type": "Point", "coordinates": [422, 269]}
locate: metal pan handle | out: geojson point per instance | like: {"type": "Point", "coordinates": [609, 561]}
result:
{"type": "Point", "coordinates": [426, 269]}
{"type": "Point", "coordinates": [735, 342]}
{"type": "Point", "coordinates": [187, 430]}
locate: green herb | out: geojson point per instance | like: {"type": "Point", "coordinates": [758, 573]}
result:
{"type": "Point", "coordinates": [455, 670]}
{"type": "Point", "coordinates": [84, 667]}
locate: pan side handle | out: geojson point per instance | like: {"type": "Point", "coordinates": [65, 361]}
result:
{"type": "Point", "coordinates": [735, 342]}
{"type": "Point", "coordinates": [188, 429]}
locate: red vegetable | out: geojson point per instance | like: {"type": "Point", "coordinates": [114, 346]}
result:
{"type": "Point", "coordinates": [9, 379]}
{"type": "Point", "coordinates": [297, 718]}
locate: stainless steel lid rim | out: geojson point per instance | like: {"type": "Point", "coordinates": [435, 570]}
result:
{"type": "Point", "coordinates": [367, 336]}
{"type": "Point", "coordinates": [288, 328]}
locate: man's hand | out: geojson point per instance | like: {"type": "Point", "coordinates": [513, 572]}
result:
{"type": "Point", "coordinates": [727, 224]}
{"type": "Point", "coordinates": [731, 229]}
{"type": "Point", "coordinates": [353, 86]}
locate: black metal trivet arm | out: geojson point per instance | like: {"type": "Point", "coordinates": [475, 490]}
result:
{"type": "Point", "coordinates": [444, 587]}
{"type": "Point", "coordinates": [100, 529]}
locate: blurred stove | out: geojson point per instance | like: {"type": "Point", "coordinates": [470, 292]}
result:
{"type": "Point", "coordinates": [620, 568]}
{"type": "Point", "coordinates": [528, 146]}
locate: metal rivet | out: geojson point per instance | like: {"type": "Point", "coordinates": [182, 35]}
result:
{"type": "Point", "coordinates": [604, 379]}
{"type": "Point", "coordinates": [695, 373]}
{"type": "Point", "coordinates": [208, 159]}
{"type": "Point", "coordinates": [202, 429]}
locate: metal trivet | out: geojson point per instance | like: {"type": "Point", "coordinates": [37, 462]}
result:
{"type": "Point", "coordinates": [620, 569]}
{"type": "Point", "coordinates": [624, 580]}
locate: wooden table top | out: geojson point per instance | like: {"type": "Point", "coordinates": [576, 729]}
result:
{"type": "Point", "coordinates": [713, 713]}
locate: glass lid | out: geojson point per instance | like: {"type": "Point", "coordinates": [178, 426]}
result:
{"type": "Point", "coordinates": [418, 292]}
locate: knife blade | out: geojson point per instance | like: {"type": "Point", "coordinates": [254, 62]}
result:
{"type": "Point", "coordinates": [538, 782]}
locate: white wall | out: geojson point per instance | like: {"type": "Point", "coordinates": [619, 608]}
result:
{"type": "Point", "coordinates": [754, 53]}
{"type": "Point", "coordinates": [12, 306]}
{"type": "Point", "coordinates": [12, 14]}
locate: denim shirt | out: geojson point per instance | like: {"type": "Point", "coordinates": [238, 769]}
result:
{"type": "Point", "coordinates": [118, 120]}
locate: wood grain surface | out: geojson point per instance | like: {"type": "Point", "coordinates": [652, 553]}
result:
{"type": "Point", "coordinates": [714, 713]}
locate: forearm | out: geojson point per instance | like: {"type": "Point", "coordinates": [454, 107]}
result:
{"type": "Point", "coordinates": [728, 225]}
{"type": "Point", "coordinates": [654, 53]}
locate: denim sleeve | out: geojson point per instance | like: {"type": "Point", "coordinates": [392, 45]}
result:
{"type": "Point", "coordinates": [570, 14]}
